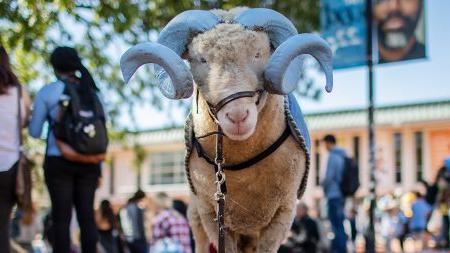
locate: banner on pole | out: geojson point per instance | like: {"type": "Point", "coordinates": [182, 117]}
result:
{"type": "Point", "coordinates": [399, 31]}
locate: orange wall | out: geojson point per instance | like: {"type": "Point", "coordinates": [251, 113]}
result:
{"type": "Point", "coordinates": [440, 149]}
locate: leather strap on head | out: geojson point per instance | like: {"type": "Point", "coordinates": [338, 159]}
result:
{"type": "Point", "coordinates": [216, 108]}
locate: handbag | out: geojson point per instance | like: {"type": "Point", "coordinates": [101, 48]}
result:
{"type": "Point", "coordinates": [23, 180]}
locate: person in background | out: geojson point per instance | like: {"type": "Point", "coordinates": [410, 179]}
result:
{"type": "Point", "coordinates": [108, 228]}
{"type": "Point", "coordinates": [443, 207]}
{"type": "Point", "coordinates": [170, 228]}
{"type": "Point", "coordinates": [333, 194]}
{"type": "Point", "coordinates": [71, 177]}
{"type": "Point", "coordinates": [305, 230]}
{"type": "Point", "coordinates": [443, 203]}
{"type": "Point", "coordinates": [438, 196]}
{"type": "Point", "coordinates": [392, 224]}
{"type": "Point", "coordinates": [9, 141]}
{"type": "Point", "coordinates": [421, 212]}
{"type": "Point", "coordinates": [181, 207]}
{"type": "Point", "coordinates": [132, 221]}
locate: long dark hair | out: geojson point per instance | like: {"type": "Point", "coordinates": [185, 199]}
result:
{"type": "Point", "coordinates": [66, 60]}
{"type": "Point", "coordinates": [107, 213]}
{"type": "Point", "coordinates": [7, 77]}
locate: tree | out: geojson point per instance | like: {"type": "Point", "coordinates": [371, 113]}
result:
{"type": "Point", "coordinates": [140, 155]}
{"type": "Point", "coordinates": [102, 29]}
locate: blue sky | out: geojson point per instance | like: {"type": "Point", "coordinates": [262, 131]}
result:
{"type": "Point", "coordinates": [396, 83]}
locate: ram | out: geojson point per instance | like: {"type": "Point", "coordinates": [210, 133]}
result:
{"type": "Point", "coordinates": [244, 63]}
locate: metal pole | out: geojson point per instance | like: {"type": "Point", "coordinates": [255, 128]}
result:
{"type": "Point", "coordinates": [370, 242]}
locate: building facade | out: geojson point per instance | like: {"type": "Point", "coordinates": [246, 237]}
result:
{"type": "Point", "coordinates": [412, 141]}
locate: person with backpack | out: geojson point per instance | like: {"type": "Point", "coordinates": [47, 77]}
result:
{"type": "Point", "coordinates": [10, 101]}
{"type": "Point", "coordinates": [76, 146]}
{"type": "Point", "coordinates": [333, 193]}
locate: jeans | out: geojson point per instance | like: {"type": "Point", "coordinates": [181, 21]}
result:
{"type": "Point", "coordinates": [72, 184]}
{"type": "Point", "coordinates": [7, 200]}
{"type": "Point", "coordinates": [336, 216]}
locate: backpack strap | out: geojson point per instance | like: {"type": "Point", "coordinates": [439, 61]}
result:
{"type": "Point", "coordinates": [71, 88]}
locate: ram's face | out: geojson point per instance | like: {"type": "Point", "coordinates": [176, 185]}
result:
{"type": "Point", "coordinates": [227, 60]}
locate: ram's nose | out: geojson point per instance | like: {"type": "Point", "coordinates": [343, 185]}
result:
{"type": "Point", "coordinates": [237, 117]}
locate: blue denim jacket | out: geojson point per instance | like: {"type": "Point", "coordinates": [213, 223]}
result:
{"type": "Point", "coordinates": [333, 177]}
{"type": "Point", "coordinates": [45, 108]}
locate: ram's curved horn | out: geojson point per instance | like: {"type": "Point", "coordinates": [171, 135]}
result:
{"type": "Point", "coordinates": [277, 26]}
{"type": "Point", "coordinates": [280, 74]}
{"type": "Point", "coordinates": [177, 33]}
{"type": "Point", "coordinates": [178, 73]}
{"type": "Point", "coordinates": [173, 74]}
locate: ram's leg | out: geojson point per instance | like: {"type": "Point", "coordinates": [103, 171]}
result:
{"type": "Point", "coordinates": [274, 234]}
{"type": "Point", "coordinates": [210, 225]}
{"type": "Point", "coordinates": [200, 237]}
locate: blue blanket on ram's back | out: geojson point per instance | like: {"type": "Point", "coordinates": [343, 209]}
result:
{"type": "Point", "coordinates": [296, 123]}
{"type": "Point", "coordinates": [299, 120]}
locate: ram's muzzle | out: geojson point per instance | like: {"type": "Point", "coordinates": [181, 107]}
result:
{"type": "Point", "coordinates": [283, 68]}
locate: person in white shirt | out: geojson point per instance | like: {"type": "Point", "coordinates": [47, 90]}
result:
{"type": "Point", "coordinates": [9, 141]}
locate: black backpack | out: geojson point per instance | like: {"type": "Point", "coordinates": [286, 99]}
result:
{"type": "Point", "coordinates": [350, 177]}
{"type": "Point", "coordinates": [81, 120]}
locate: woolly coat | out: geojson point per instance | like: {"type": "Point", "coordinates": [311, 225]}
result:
{"type": "Point", "coordinates": [261, 199]}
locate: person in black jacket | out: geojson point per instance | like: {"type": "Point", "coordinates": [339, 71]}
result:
{"type": "Point", "coordinates": [305, 232]}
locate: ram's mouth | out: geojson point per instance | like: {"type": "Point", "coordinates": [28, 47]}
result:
{"type": "Point", "coordinates": [239, 132]}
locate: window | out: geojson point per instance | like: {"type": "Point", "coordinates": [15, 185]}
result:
{"type": "Point", "coordinates": [356, 149]}
{"type": "Point", "coordinates": [418, 137]}
{"type": "Point", "coordinates": [398, 157]}
{"type": "Point", "coordinates": [317, 161]}
{"type": "Point", "coordinates": [167, 168]}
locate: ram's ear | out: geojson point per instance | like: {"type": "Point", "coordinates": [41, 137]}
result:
{"type": "Point", "coordinates": [278, 74]}
{"type": "Point", "coordinates": [174, 76]}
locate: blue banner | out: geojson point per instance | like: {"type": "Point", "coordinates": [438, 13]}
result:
{"type": "Point", "coordinates": [343, 26]}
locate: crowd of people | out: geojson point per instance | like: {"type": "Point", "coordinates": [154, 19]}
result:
{"type": "Point", "coordinates": [141, 225]}
{"type": "Point", "coordinates": [420, 217]}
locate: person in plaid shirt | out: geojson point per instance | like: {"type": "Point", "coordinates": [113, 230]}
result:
{"type": "Point", "coordinates": [169, 224]}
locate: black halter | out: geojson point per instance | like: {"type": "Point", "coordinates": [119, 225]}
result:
{"type": "Point", "coordinates": [213, 110]}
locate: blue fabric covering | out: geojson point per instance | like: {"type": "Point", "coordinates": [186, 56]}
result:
{"type": "Point", "coordinates": [299, 119]}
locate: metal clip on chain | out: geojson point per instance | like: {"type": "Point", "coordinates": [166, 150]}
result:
{"type": "Point", "coordinates": [220, 180]}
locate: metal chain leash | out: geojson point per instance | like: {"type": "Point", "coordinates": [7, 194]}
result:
{"type": "Point", "coordinates": [219, 196]}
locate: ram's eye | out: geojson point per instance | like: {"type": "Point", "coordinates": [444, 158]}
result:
{"type": "Point", "coordinates": [258, 55]}
{"type": "Point", "coordinates": [203, 60]}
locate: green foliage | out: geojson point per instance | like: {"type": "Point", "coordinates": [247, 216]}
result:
{"type": "Point", "coordinates": [102, 29]}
